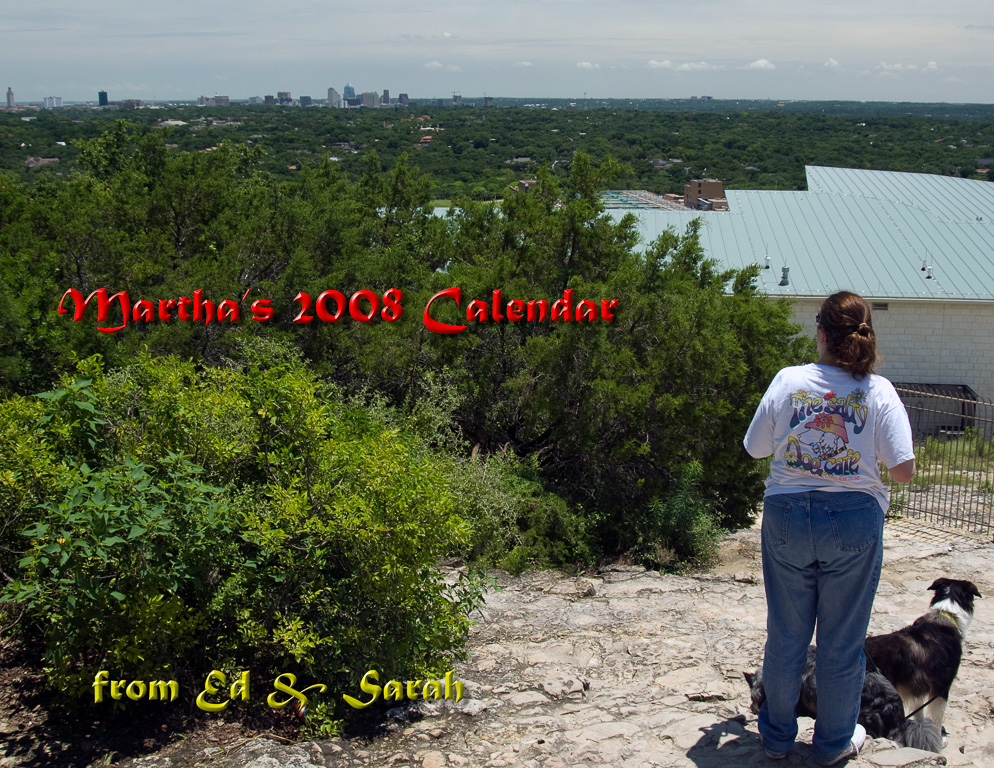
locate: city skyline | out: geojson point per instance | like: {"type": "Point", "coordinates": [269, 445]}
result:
{"type": "Point", "coordinates": [895, 51]}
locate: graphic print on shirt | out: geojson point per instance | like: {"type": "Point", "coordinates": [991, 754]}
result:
{"type": "Point", "coordinates": [823, 427]}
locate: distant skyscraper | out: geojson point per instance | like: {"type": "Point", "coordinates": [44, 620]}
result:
{"type": "Point", "coordinates": [488, 101]}
{"type": "Point", "coordinates": [306, 101]}
{"type": "Point", "coordinates": [10, 97]}
{"type": "Point", "coordinates": [270, 99]}
{"type": "Point", "coordinates": [370, 99]}
{"type": "Point", "coordinates": [349, 92]}
{"type": "Point", "coordinates": [386, 97]}
{"type": "Point", "coordinates": [333, 98]}
{"type": "Point", "coordinates": [102, 98]}
{"type": "Point", "coordinates": [51, 102]}
{"type": "Point", "coordinates": [283, 97]}
{"type": "Point", "coordinates": [403, 100]}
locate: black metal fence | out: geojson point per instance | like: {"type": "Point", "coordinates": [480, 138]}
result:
{"type": "Point", "coordinates": [954, 452]}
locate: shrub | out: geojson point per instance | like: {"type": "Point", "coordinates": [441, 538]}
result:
{"type": "Point", "coordinates": [681, 527]}
{"type": "Point", "coordinates": [517, 524]}
{"type": "Point", "coordinates": [118, 571]}
{"type": "Point", "coordinates": [318, 556]}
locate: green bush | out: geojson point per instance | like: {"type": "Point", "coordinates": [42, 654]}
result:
{"type": "Point", "coordinates": [118, 572]}
{"type": "Point", "coordinates": [318, 556]}
{"type": "Point", "coordinates": [518, 525]}
{"type": "Point", "coordinates": [30, 473]}
{"type": "Point", "coordinates": [681, 527]}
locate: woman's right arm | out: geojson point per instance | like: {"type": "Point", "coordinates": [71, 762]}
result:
{"type": "Point", "coordinates": [903, 472]}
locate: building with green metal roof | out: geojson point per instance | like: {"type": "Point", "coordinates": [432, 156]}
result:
{"type": "Point", "coordinates": [919, 247]}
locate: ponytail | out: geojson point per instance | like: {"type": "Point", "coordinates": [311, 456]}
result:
{"type": "Point", "coordinates": [849, 337]}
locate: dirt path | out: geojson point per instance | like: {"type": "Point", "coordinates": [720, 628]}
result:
{"type": "Point", "coordinates": [634, 668]}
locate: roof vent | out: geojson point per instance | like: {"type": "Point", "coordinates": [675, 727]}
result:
{"type": "Point", "coordinates": [929, 275]}
{"type": "Point", "coordinates": [785, 279]}
{"type": "Point", "coordinates": [767, 261]}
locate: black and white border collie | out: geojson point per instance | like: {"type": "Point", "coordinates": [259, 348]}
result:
{"type": "Point", "coordinates": [922, 660]}
{"type": "Point", "coordinates": [906, 669]}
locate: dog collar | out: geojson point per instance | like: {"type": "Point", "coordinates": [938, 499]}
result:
{"type": "Point", "coordinates": [949, 616]}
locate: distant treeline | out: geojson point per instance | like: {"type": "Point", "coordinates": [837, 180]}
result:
{"type": "Point", "coordinates": [478, 152]}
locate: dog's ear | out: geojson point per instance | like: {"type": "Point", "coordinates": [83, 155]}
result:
{"type": "Point", "coordinates": [750, 678]}
{"type": "Point", "coordinates": [973, 590]}
{"type": "Point", "coordinates": [938, 584]}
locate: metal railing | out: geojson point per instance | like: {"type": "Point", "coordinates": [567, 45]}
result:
{"type": "Point", "coordinates": [954, 452]}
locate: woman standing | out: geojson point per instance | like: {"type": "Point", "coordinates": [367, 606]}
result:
{"type": "Point", "coordinates": [827, 425]}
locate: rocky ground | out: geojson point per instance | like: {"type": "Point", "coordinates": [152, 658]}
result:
{"type": "Point", "coordinates": [634, 668]}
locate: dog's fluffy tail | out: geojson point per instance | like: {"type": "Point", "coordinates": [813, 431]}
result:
{"type": "Point", "coordinates": [919, 735]}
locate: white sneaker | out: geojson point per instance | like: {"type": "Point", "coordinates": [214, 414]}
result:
{"type": "Point", "coordinates": [855, 744]}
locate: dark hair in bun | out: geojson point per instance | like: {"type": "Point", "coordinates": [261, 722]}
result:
{"type": "Point", "coordinates": [849, 336]}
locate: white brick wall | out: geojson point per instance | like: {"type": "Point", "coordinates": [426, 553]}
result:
{"type": "Point", "coordinates": [928, 342]}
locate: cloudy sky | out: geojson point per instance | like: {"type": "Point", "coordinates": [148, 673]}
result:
{"type": "Point", "coordinates": [891, 50]}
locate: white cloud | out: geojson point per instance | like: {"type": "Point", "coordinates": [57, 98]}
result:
{"type": "Point", "coordinates": [760, 64]}
{"type": "Point", "coordinates": [698, 66]}
{"type": "Point", "coordinates": [885, 67]}
{"type": "Point", "coordinates": [893, 70]}
{"type": "Point", "coordinates": [433, 65]}
{"type": "Point", "coordinates": [831, 64]}
{"type": "Point", "coordinates": [446, 34]}
{"type": "Point", "coordinates": [587, 65]}
{"type": "Point", "coordinates": [653, 64]}
{"type": "Point", "coordinates": [523, 64]}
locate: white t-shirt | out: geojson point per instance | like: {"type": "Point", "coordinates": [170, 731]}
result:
{"type": "Point", "coordinates": [827, 430]}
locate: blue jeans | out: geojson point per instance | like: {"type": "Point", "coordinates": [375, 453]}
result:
{"type": "Point", "coordinates": [822, 554]}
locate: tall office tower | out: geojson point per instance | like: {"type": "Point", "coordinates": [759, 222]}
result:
{"type": "Point", "coordinates": [283, 97]}
{"type": "Point", "coordinates": [51, 102]}
{"type": "Point", "coordinates": [403, 100]}
{"type": "Point", "coordinates": [386, 97]}
{"type": "Point", "coordinates": [333, 98]}
{"type": "Point", "coordinates": [306, 101]}
{"type": "Point", "coordinates": [10, 97]}
{"type": "Point", "coordinates": [488, 101]}
{"type": "Point", "coordinates": [349, 92]}
{"type": "Point", "coordinates": [101, 98]}
{"type": "Point", "coordinates": [270, 99]}
{"type": "Point", "coordinates": [370, 99]}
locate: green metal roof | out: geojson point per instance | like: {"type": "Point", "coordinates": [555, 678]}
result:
{"type": "Point", "coordinates": [872, 232]}
{"type": "Point", "coordinates": [945, 197]}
